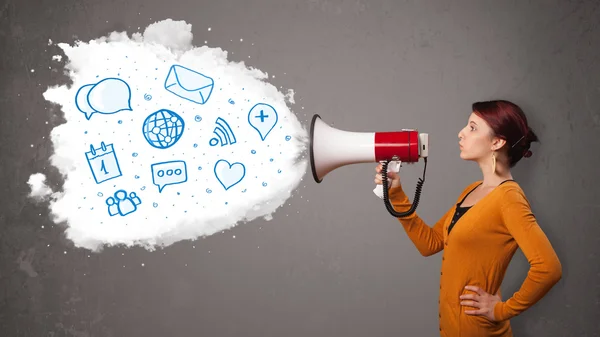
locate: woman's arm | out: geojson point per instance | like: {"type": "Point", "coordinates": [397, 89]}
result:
{"type": "Point", "coordinates": [428, 240]}
{"type": "Point", "coordinates": [545, 268]}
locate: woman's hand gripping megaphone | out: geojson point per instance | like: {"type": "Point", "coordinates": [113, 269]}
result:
{"type": "Point", "coordinates": [393, 177]}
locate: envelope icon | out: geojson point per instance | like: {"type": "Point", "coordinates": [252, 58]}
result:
{"type": "Point", "coordinates": [189, 84]}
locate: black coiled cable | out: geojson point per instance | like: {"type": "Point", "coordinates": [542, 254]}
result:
{"type": "Point", "coordinates": [386, 200]}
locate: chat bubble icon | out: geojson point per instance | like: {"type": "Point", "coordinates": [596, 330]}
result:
{"type": "Point", "coordinates": [169, 173]}
{"type": "Point", "coordinates": [108, 96]}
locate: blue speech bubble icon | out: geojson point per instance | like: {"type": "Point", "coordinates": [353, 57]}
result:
{"type": "Point", "coordinates": [169, 173]}
{"type": "Point", "coordinates": [108, 96]}
{"type": "Point", "coordinates": [262, 117]}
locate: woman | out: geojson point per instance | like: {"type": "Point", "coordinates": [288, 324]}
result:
{"type": "Point", "coordinates": [481, 232]}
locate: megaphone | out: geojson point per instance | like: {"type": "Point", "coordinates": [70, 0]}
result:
{"type": "Point", "coordinates": [331, 148]}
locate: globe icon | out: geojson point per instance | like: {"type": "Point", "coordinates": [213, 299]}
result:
{"type": "Point", "coordinates": [163, 128]}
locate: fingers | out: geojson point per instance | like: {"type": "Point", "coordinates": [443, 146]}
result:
{"type": "Point", "coordinates": [475, 300]}
{"type": "Point", "coordinates": [471, 304]}
{"type": "Point", "coordinates": [379, 178]}
{"type": "Point", "coordinates": [392, 176]}
{"type": "Point", "coordinates": [476, 312]}
{"type": "Point", "coordinates": [469, 297]}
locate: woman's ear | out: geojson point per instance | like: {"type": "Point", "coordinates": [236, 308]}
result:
{"type": "Point", "coordinates": [498, 143]}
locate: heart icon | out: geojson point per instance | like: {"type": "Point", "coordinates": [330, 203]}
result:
{"type": "Point", "coordinates": [229, 174]}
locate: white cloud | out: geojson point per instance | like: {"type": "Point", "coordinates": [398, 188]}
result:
{"type": "Point", "coordinates": [39, 189]}
{"type": "Point", "coordinates": [120, 84]}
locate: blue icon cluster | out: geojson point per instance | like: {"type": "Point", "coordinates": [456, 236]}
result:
{"type": "Point", "coordinates": [162, 129]}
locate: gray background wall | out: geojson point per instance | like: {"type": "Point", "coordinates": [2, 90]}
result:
{"type": "Point", "coordinates": [332, 262]}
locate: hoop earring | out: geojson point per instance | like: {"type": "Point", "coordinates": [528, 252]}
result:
{"type": "Point", "coordinates": [493, 162]}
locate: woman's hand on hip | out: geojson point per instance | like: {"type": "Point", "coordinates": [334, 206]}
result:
{"type": "Point", "coordinates": [481, 300]}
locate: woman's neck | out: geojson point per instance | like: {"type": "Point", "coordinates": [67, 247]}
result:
{"type": "Point", "coordinates": [493, 179]}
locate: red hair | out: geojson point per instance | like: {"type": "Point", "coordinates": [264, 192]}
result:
{"type": "Point", "coordinates": [508, 121]}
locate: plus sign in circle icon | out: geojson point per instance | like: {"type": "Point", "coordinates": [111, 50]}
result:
{"type": "Point", "coordinates": [262, 117]}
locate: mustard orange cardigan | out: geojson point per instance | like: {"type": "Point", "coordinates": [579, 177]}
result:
{"type": "Point", "coordinates": [477, 252]}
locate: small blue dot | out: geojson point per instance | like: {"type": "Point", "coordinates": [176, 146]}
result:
{"type": "Point", "coordinates": [288, 138]}
{"type": "Point", "coordinates": [100, 194]}
{"type": "Point", "coordinates": [271, 159]}
{"type": "Point", "coordinates": [137, 177]}
{"type": "Point", "coordinates": [208, 190]}
{"type": "Point", "coordinates": [135, 154]}
{"type": "Point", "coordinates": [155, 205]}
{"type": "Point", "coordinates": [195, 145]}
{"type": "Point", "coordinates": [264, 184]}
{"type": "Point", "coordinates": [199, 168]}
{"type": "Point", "coordinates": [120, 122]}
{"type": "Point", "coordinates": [253, 151]}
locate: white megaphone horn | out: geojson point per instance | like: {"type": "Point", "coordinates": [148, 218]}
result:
{"type": "Point", "coordinates": [331, 148]}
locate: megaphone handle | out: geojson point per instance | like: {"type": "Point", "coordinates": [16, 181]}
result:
{"type": "Point", "coordinates": [393, 166]}
{"type": "Point", "coordinates": [415, 203]}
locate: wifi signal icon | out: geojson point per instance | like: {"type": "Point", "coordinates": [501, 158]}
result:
{"type": "Point", "coordinates": [223, 132]}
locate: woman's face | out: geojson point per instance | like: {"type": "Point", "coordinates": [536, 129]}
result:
{"type": "Point", "coordinates": [475, 139]}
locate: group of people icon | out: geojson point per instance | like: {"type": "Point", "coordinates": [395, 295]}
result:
{"type": "Point", "coordinates": [122, 203]}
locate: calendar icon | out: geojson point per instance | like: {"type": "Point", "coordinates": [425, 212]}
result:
{"type": "Point", "coordinates": [103, 163]}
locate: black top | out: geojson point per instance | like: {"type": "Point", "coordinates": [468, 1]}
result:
{"type": "Point", "coordinates": [460, 210]}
